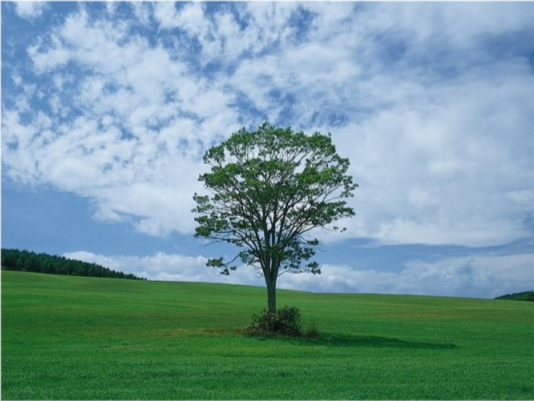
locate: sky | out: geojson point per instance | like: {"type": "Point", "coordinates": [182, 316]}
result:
{"type": "Point", "coordinates": [108, 108]}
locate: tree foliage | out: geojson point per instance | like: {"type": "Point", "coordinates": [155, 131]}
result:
{"type": "Point", "coordinates": [268, 188]}
{"type": "Point", "coordinates": [14, 259]}
{"type": "Point", "coordinates": [519, 296]}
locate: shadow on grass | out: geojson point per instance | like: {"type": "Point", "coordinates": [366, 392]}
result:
{"type": "Point", "coordinates": [342, 340]}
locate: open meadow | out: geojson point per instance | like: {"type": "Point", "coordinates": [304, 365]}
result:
{"type": "Point", "coordinates": [67, 337]}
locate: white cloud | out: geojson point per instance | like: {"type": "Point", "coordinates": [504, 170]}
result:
{"type": "Point", "coordinates": [446, 172]}
{"type": "Point", "coordinates": [437, 128]}
{"type": "Point", "coordinates": [130, 150]}
{"type": "Point", "coordinates": [142, 11]}
{"type": "Point", "coordinates": [475, 276]}
{"type": "Point", "coordinates": [186, 16]}
{"type": "Point", "coordinates": [166, 14]}
{"type": "Point", "coordinates": [160, 266]}
{"type": "Point", "coordinates": [111, 7]}
{"type": "Point", "coordinates": [459, 25]}
{"type": "Point", "coordinates": [30, 9]}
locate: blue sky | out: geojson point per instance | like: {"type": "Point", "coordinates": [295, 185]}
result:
{"type": "Point", "coordinates": [107, 109]}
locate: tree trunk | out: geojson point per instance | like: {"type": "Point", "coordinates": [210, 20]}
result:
{"type": "Point", "coordinates": [271, 293]}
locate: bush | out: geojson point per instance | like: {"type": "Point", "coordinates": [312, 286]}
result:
{"type": "Point", "coordinates": [285, 321]}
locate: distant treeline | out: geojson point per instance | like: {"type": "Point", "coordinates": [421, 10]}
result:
{"type": "Point", "coordinates": [13, 259]}
{"type": "Point", "coordinates": [520, 296]}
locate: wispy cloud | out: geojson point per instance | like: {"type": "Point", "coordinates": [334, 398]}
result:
{"type": "Point", "coordinates": [478, 277]}
{"type": "Point", "coordinates": [451, 166]}
{"type": "Point", "coordinates": [29, 9]}
{"type": "Point", "coordinates": [431, 103]}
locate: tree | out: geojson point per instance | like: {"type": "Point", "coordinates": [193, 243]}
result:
{"type": "Point", "coordinates": [268, 189]}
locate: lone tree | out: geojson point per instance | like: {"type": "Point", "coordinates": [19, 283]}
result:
{"type": "Point", "coordinates": [269, 188]}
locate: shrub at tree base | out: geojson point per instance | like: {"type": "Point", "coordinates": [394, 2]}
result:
{"type": "Point", "coordinates": [285, 321]}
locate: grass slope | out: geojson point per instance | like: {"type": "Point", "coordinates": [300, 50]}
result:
{"type": "Point", "coordinates": [89, 338]}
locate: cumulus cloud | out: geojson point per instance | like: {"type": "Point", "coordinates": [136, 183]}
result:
{"type": "Point", "coordinates": [29, 9]}
{"type": "Point", "coordinates": [478, 277]}
{"type": "Point", "coordinates": [157, 267]}
{"type": "Point", "coordinates": [451, 168]}
{"type": "Point", "coordinates": [433, 109]}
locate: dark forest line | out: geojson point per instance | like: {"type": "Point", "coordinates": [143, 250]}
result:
{"type": "Point", "coordinates": [14, 259]}
{"type": "Point", "coordinates": [520, 296]}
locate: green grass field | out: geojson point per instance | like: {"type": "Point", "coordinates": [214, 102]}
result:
{"type": "Point", "coordinates": [90, 338]}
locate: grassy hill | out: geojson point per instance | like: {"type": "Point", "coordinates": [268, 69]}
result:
{"type": "Point", "coordinates": [67, 337]}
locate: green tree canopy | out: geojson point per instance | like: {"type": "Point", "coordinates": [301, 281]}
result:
{"type": "Point", "coordinates": [268, 188]}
